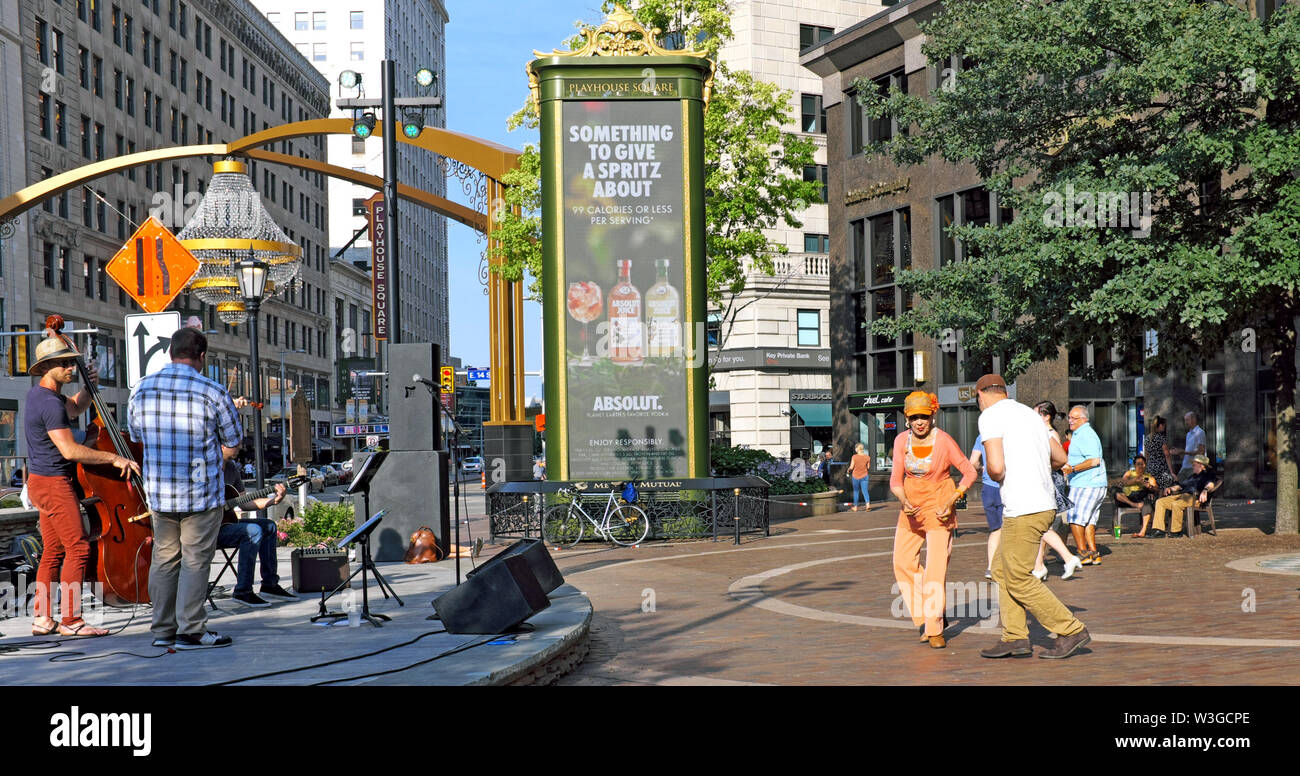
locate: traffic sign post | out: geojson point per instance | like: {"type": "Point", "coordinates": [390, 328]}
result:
{"type": "Point", "coordinates": [153, 267]}
{"type": "Point", "coordinates": [148, 340]}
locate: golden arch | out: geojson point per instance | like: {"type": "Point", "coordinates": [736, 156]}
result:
{"type": "Point", "coordinates": [505, 299]}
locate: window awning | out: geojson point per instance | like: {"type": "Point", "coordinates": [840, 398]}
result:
{"type": "Point", "coordinates": [812, 413]}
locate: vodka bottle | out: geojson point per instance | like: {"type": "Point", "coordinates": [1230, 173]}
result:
{"type": "Point", "coordinates": [625, 319]}
{"type": "Point", "coordinates": [663, 315]}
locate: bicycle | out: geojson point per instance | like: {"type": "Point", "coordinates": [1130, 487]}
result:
{"type": "Point", "coordinates": [563, 526]}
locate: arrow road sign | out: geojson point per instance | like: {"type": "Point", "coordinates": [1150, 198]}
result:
{"type": "Point", "coordinates": [149, 337]}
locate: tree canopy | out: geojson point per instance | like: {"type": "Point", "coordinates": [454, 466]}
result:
{"type": "Point", "coordinates": [1150, 151]}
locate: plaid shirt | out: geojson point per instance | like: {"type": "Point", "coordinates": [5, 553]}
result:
{"type": "Point", "coordinates": [180, 416]}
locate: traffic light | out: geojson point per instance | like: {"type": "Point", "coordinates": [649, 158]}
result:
{"type": "Point", "coordinates": [448, 379]}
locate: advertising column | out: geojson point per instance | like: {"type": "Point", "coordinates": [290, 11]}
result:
{"type": "Point", "coordinates": [624, 298]}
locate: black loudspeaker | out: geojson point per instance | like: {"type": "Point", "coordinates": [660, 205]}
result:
{"type": "Point", "coordinates": [539, 562]}
{"type": "Point", "coordinates": [414, 422]}
{"type": "Point", "coordinates": [411, 486]}
{"type": "Point", "coordinates": [494, 600]}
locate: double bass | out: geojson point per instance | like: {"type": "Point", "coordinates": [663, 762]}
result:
{"type": "Point", "coordinates": [121, 532]}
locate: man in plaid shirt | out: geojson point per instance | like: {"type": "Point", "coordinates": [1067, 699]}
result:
{"type": "Point", "coordinates": [188, 425]}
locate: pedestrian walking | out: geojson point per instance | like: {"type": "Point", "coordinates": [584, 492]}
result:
{"type": "Point", "coordinates": [1193, 445]}
{"type": "Point", "coordinates": [921, 482]}
{"type": "Point", "coordinates": [991, 497]}
{"type": "Point", "coordinates": [1085, 470]}
{"type": "Point", "coordinates": [860, 471]}
{"type": "Point", "coordinates": [1019, 455]}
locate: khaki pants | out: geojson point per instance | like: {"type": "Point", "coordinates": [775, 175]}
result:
{"type": "Point", "coordinates": [182, 562]}
{"type": "Point", "coordinates": [1178, 504]}
{"type": "Point", "coordinates": [1018, 588]}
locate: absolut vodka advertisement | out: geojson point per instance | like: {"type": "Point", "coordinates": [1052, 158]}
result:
{"type": "Point", "coordinates": [623, 249]}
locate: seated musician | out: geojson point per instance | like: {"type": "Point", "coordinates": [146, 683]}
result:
{"type": "Point", "coordinates": [255, 538]}
{"type": "Point", "coordinates": [52, 457]}
{"type": "Point", "coordinates": [1138, 490]}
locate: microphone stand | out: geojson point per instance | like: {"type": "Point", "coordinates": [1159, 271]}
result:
{"type": "Point", "coordinates": [454, 472]}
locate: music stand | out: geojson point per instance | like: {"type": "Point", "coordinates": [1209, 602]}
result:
{"type": "Point", "coordinates": [363, 535]}
{"type": "Point", "coordinates": [361, 481]}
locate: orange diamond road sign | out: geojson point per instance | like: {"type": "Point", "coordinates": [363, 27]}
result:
{"type": "Point", "coordinates": [153, 267]}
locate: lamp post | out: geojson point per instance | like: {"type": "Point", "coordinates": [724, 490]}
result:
{"type": "Point", "coordinates": [252, 284]}
{"type": "Point", "coordinates": [284, 423]}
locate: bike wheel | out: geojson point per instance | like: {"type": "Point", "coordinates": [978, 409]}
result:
{"type": "Point", "coordinates": [628, 525]}
{"type": "Point", "coordinates": [561, 526]}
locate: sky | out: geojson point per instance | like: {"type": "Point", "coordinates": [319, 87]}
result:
{"type": "Point", "coordinates": [488, 44]}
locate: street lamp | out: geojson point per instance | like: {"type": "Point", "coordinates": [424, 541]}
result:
{"type": "Point", "coordinates": [252, 274]}
{"type": "Point", "coordinates": [284, 423]}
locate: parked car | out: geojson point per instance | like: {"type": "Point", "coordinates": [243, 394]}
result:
{"type": "Point", "coordinates": [345, 475]}
{"type": "Point", "coordinates": [472, 465]}
{"type": "Point", "coordinates": [329, 474]}
{"type": "Point", "coordinates": [316, 482]}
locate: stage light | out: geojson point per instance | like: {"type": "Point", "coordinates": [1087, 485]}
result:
{"type": "Point", "coordinates": [349, 79]}
{"type": "Point", "coordinates": [364, 126]}
{"type": "Point", "coordinates": [425, 77]}
{"type": "Point", "coordinates": [412, 123]}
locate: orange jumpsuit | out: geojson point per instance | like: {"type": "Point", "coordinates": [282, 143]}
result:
{"type": "Point", "coordinates": [921, 467]}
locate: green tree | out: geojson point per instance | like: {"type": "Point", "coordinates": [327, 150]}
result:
{"type": "Point", "coordinates": [754, 169]}
{"type": "Point", "coordinates": [1192, 104]}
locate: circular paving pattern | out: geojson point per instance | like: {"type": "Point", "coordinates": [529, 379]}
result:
{"type": "Point", "coordinates": [1269, 564]}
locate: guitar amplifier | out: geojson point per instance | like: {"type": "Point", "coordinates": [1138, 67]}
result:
{"type": "Point", "coordinates": [319, 570]}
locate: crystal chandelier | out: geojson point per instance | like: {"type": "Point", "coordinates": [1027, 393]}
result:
{"type": "Point", "coordinates": [226, 225]}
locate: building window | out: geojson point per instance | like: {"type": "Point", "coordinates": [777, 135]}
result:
{"type": "Point", "coordinates": [128, 33]}
{"type": "Point", "coordinates": [972, 207]}
{"type": "Point", "coordinates": [116, 20]}
{"type": "Point", "coordinates": [57, 51]}
{"type": "Point", "coordinates": [811, 35]}
{"type": "Point", "coordinates": [816, 243]}
{"type": "Point", "coordinates": [65, 272]}
{"type": "Point", "coordinates": [97, 75]}
{"type": "Point", "coordinates": [47, 255]}
{"type": "Point", "coordinates": [864, 130]}
{"type": "Point", "coordinates": [318, 52]}
{"type": "Point", "coordinates": [880, 246]}
{"type": "Point", "coordinates": [300, 20]}
{"type": "Point", "coordinates": [358, 52]}
{"type": "Point", "coordinates": [88, 277]}
{"type": "Point", "coordinates": [814, 115]}
{"type": "Point", "coordinates": [60, 124]}
{"type": "Point", "coordinates": [318, 20]}
{"type": "Point", "coordinates": [810, 328]}
{"type": "Point", "coordinates": [273, 17]}
{"type": "Point", "coordinates": [84, 56]}
{"type": "Point", "coordinates": [356, 20]}
{"type": "Point", "coordinates": [817, 172]}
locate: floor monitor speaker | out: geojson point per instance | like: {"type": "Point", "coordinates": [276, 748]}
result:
{"type": "Point", "coordinates": [494, 600]}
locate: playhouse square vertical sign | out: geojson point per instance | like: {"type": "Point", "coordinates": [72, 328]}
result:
{"type": "Point", "coordinates": [379, 266]}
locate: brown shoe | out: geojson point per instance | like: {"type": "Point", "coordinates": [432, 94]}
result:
{"type": "Point", "coordinates": [1017, 648]}
{"type": "Point", "coordinates": [937, 642]}
{"type": "Point", "coordinates": [1066, 645]}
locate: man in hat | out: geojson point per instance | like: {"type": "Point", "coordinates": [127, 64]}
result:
{"type": "Point", "coordinates": [1196, 489]}
{"type": "Point", "coordinates": [1019, 454]}
{"type": "Point", "coordinates": [188, 425]}
{"type": "Point", "coordinates": [52, 458]}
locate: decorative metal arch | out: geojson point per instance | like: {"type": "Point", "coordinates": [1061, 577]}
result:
{"type": "Point", "coordinates": [460, 155]}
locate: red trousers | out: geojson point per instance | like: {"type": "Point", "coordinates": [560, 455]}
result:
{"type": "Point", "coordinates": [66, 544]}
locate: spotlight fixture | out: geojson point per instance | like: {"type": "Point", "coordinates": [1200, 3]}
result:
{"type": "Point", "coordinates": [349, 79]}
{"type": "Point", "coordinates": [425, 77]}
{"type": "Point", "coordinates": [364, 126]}
{"type": "Point", "coordinates": [412, 123]}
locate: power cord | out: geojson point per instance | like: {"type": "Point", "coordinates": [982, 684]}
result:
{"type": "Point", "coordinates": [439, 656]}
{"type": "Point", "coordinates": [328, 663]}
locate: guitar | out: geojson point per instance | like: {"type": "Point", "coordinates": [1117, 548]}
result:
{"type": "Point", "coordinates": [239, 499]}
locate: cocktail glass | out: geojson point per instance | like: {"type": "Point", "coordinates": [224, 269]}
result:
{"type": "Point", "coordinates": [584, 303]}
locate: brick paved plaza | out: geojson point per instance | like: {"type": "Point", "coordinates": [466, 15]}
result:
{"type": "Point", "coordinates": [811, 605]}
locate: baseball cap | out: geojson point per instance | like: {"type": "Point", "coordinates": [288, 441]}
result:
{"type": "Point", "coordinates": [990, 380]}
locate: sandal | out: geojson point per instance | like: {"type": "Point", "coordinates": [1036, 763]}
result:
{"type": "Point", "coordinates": [38, 630]}
{"type": "Point", "coordinates": [81, 628]}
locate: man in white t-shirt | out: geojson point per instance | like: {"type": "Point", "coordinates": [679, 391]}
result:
{"type": "Point", "coordinates": [1019, 454]}
{"type": "Point", "coordinates": [1193, 444]}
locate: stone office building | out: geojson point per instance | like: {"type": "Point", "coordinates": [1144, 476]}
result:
{"type": "Point", "coordinates": [103, 79]}
{"type": "Point", "coordinates": [884, 218]}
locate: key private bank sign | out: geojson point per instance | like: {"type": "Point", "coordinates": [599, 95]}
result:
{"type": "Point", "coordinates": [622, 124]}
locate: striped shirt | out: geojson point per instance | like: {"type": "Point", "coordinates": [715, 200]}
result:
{"type": "Point", "coordinates": [181, 418]}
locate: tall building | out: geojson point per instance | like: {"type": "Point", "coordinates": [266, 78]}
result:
{"type": "Point", "coordinates": [771, 366]}
{"type": "Point", "coordinates": [15, 300]}
{"type": "Point", "coordinates": [99, 80]}
{"type": "Point", "coordinates": [359, 37]}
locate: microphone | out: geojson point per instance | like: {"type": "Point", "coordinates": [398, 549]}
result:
{"type": "Point", "coordinates": [417, 379]}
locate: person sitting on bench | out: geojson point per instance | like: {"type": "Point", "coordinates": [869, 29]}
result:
{"type": "Point", "coordinates": [1138, 491]}
{"type": "Point", "coordinates": [1197, 489]}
